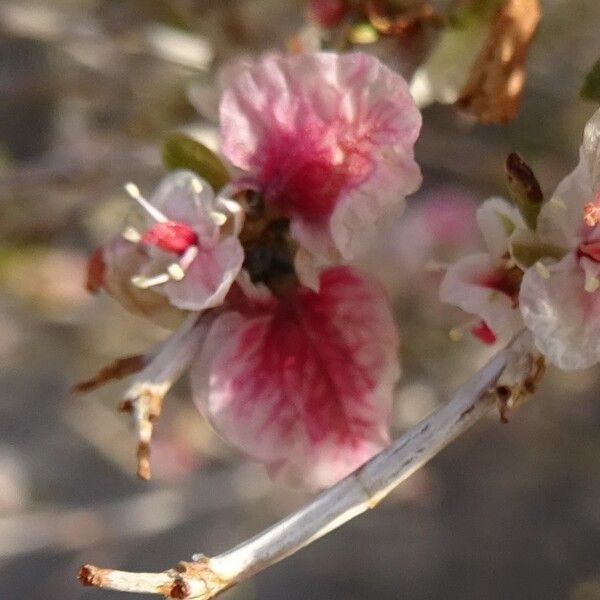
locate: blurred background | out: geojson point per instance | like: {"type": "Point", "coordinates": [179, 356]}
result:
{"type": "Point", "coordinates": [87, 90]}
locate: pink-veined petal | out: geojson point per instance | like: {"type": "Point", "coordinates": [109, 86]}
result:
{"type": "Point", "coordinates": [303, 384]}
{"type": "Point", "coordinates": [328, 140]}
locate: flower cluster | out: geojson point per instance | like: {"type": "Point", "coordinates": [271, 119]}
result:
{"type": "Point", "coordinates": [542, 268]}
{"type": "Point", "coordinates": [293, 355]}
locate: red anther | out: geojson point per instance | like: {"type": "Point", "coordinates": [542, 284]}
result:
{"type": "Point", "coordinates": [170, 236]}
{"type": "Point", "coordinates": [483, 333]}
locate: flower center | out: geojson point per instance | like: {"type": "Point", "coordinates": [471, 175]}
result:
{"type": "Point", "coordinates": [170, 236]}
{"type": "Point", "coordinates": [506, 281]}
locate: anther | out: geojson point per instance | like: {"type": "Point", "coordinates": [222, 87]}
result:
{"type": "Point", "coordinates": [175, 272]}
{"type": "Point", "coordinates": [542, 269]}
{"type": "Point", "coordinates": [456, 334]}
{"type": "Point", "coordinates": [218, 218]}
{"type": "Point", "coordinates": [592, 284]}
{"type": "Point", "coordinates": [196, 185]}
{"type": "Point", "coordinates": [132, 235]}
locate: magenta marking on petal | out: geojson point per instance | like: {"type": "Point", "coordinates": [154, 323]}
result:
{"type": "Point", "coordinates": [311, 129]}
{"type": "Point", "coordinates": [311, 373]}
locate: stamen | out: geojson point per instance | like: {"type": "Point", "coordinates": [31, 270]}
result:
{"type": "Point", "coordinates": [143, 283]}
{"type": "Point", "coordinates": [218, 218]}
{"type": "Point", "coordinates": [134, 192]}
{"type": "Point", "coordinates": [175, 272]}
{"type": "Point", "coordinates": [196, 186]}
{"type": "Point", "coordinates": [188, 257]}
{"type": "Point", "coordinates": [132, 235]}
{"type": "Point", "coordinates": [592, 284]}
{"type": "Point", "coordinates": [542, 269]}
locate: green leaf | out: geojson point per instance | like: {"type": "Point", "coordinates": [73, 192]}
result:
{"type": "Point", "coordinates": [590, 90]}
{"type": "Point", "coordinates": [180, 151]}
{"type": "Point", "coordinates": [524, 189]}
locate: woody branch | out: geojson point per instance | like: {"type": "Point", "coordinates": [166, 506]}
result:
{"type": "Point", "coordinates": [509, 376]}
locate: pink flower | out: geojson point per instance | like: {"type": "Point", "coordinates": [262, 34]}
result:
{"type": "Point", "coordinates": [185, 253]}
{"type": "Point", "coordinates": [327, 140]}
{"type": "Point", "coordinates": [303, 382]}
{"type": "Point", "coordinates": [487, 284]}
{"type": "Point", "coordinates": [560, 299]}
{"type": "Point", "coordinates": [293, 361]}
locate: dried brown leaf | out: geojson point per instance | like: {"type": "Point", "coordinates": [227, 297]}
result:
{"type": "Point", "coordinates": [492, 93]}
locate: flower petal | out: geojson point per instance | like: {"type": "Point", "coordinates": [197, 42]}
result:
{"type": "Point", "coordinates": [561, 218]}
{"type": "Point", "coordinates": [328, 140]}
{"type": "Point", "coordinates": [121, 261]}
{"type": "Point", "coordinates": [498, 219]}
{"type": "Point", "coordinates": [304, 384]}
{"type": "Point", "coordinates": [208, 278]}
{"type": "Point", "coordinates": [465, 285]}
{"type": "Point", "coordinates": [564, 318]}
{"type": "Point", "coordinates": [186, 198]}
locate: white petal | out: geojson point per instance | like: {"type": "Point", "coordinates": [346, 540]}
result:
{"type": "Point", "coordinates": [563, 316]}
